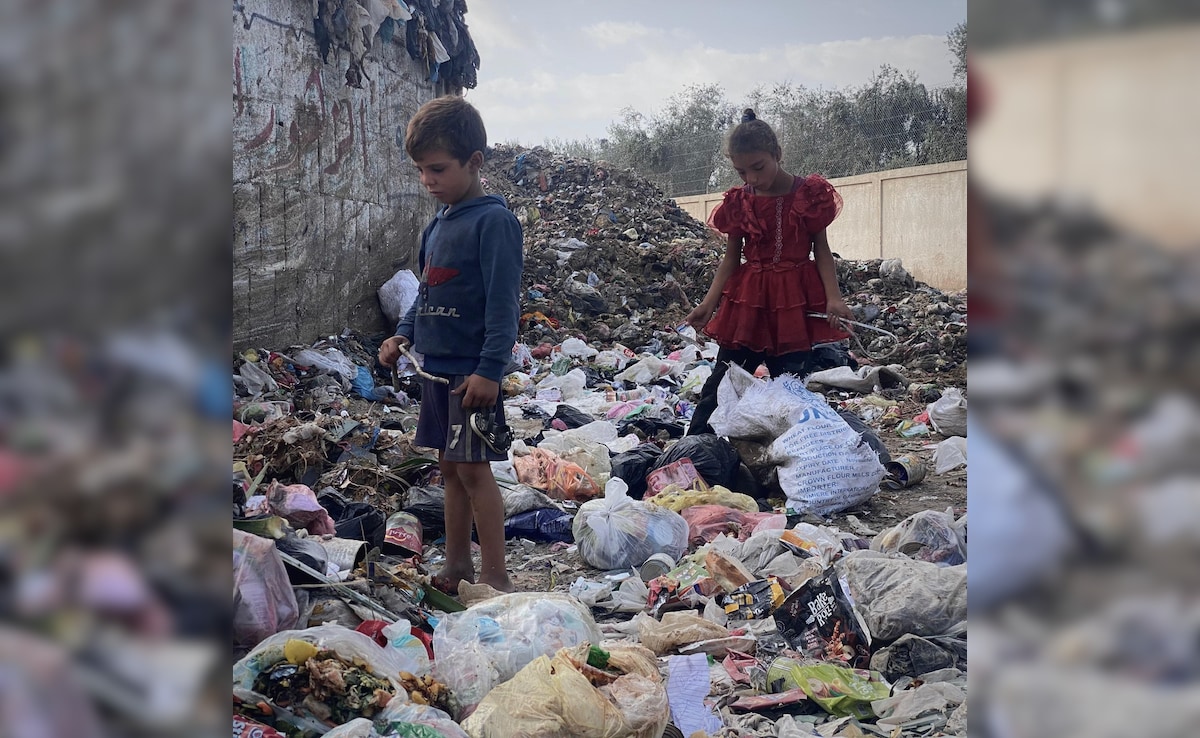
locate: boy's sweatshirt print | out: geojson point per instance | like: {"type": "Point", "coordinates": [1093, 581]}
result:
{"type": "Point", "coordinates": [466, 314]}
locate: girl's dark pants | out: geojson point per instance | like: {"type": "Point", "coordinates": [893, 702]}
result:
{"type": "Point", "coordinates": [793, 363]}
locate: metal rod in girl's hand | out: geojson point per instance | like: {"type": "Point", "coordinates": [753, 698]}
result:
{"type": "Point", "coordinates": [855, 322]}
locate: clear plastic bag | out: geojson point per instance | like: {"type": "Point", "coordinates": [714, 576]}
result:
{"type": "Point", "coordinates": [948, 413]}
{"type": "Point", "coordinates": [618, 532]}
{"type": "Point", "coordinates": [488, 643]}
{"type": "Point", "coordinates": [349, 645]}
{"type": "Point", "coordinates": [264, 602]}
{"type": "Point", "coordinates": [950, 454]}
{"type": "Point", "coordinates": [552, 697]}
{"type": "Point", "coordinates": [926, 536]}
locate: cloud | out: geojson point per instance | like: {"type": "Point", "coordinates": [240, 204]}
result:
{"type": "Point", "coordinates": [610, 33]}
{"type": "Point", "coordinates": [491, 30]}
{"type": "Point", "coordinates": [554, 102]}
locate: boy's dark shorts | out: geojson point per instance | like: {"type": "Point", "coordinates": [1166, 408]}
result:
{"type": "Point", "coordinates": [443, 425]}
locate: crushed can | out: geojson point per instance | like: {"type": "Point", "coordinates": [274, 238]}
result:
{"type": "Point", "coordinates": [403, 534]}
{"type": "Point", "coordinates": [904, 471]}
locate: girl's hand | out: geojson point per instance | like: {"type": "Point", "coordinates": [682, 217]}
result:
{"type": "Point", "coordinates": [700, 316]}
{"type": "Point", "coordinates": [836, 309]}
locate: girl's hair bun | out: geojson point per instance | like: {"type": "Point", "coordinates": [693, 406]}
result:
{"type": "Point", "coordinates": [748, 115]}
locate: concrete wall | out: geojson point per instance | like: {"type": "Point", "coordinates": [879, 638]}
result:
{"type": "Point", "coordinates": [917, 214]}
{"type": "Point", "coordinates": [1109, 120]}
{"type": "Point", "coordinates": [326, 204]}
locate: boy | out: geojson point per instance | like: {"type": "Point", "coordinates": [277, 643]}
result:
{"type": "Point", "coordinates": [464, 321]}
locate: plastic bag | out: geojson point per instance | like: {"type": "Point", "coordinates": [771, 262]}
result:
{"type": "Point", "coordinates": [899, 595]}
{"type": "Point", "coordinates": [950, 454]}
{"type": "Point", "coordinates": [646, 370]}
{"type": "Point", "coordinates": [350, 646]}
{"type": "Point", "coordinates": [611, 360]}
{"type": "Point", "coordinates": [633, 465]}
{"type": "Point", "coordinates": [329, 361]}
{"type": "Point", "coordinates": [617, 532]}
{"type": "Point", "coordinates": [752, 408]}
{"type": "Point", "coordinates": [576, 348]}
{"type": "Point", "coordinates": [548, 524]}
{"type": "Point", "coordinates": [298, 504]}
{"type": "Point", "coordinates": [523, 498]}
{"type": "Point", "coordinates": [255, 379]}
{"type": "Point", "coordinates": [398, 294]}
{"type": "Point", "coordinates": [674, 498]}
{"type": "Point", "coordinates": [840, 691]}
{"type": "Point", "coordinates": [714, 458]}
{"type": "Point", "coordinates": [552, 697]}
{"type": "Point", "coordinates": [826, 467]}
{"type": "Point", "coordinates": [925, 536]}
{"type": "Point", "coordinates": [576, 446]}
{"type": "Point", "coordinates": [677, 628]}
{"type": "Point", "coordinates": [488, 643]}
{"type": "Point", "coordinates": [948, 413]}
{"type": "Point", "coordinates": [865, 379]}
{"type": "Point", "coordinates": [706, 522]}
{"type": "Point", "coordinates": [264, 602]}
{"type": "Point", "coordinates": [571, 385]}
{"type": "Point", "coordinates": [561, 479]}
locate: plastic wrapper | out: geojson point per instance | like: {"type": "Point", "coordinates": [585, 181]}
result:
{"type": "Point", "coordinates": [329, 361]}
{"type": "Point", "coordinates": [820, 621]}
{"type": "Point", "coordinates": [617, 532]}
{"type": "Point", "coordinates": [753, 600]}
{"type": "Point", "coordinates": [561, 479]}
{"type": "Point", "coordinates": [838, 690]}
{"type": "Point", "coordinates": [926, 536]}
{"type": "Point", "coordinates": [402, 720]}
{"type": "Point", "coordinates": [677, 628]}
{"type": "Point", "coordinates": [264, 602]}
{"type": "Point", "coordinates": [488, 643]}
{"type": "Point", "coordinates": [349, 646]}
{"type": "Point", "coordinates": [948, 413]}
{"type": "Point", "coordinates": [565, 695]}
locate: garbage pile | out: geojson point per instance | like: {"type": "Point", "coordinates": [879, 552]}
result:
{"type": "Point", "coordinates": [803, 571]}
{"type": "Point", "coordinates": [611, 258]}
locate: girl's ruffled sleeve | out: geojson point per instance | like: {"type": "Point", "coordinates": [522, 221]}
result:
{"type": "Point", "coordinates": [817, 203]}
{"type": "Point", "coordinates": [732, 216]}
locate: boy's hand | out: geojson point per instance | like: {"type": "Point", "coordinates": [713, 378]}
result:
{"type": "Point", "coordinates": [389, 350]}
{"type": "Point", "coordinates": [478, 391]}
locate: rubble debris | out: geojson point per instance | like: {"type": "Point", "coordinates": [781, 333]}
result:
{"type": "Point", "coordinates": [598, 396]}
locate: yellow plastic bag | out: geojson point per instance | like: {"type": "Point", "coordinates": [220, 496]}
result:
{"type": "Point", "coordinates": [674, 498]}
{"type": "Point", "coordinates": [551, 697]}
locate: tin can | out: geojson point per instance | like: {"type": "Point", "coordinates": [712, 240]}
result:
{"type": "Point", "coordinates": [904, 471]}
{"type": "Point", "coordinates": [402, 534]}
{"type": "Point", "coordinates": [656, 566]}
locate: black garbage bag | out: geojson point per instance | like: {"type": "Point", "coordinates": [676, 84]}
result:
{"type": "Point", "coordinates": [428, 504]}
{"type": "Point", "coordinates": [650, 427]}
{"type": "Point", "coordinates": [305, 550]}
{"type": "Point", "coordinates": [546, 524]}
{"type": "Point", "coordinates": [633, 465]}
{"type": "Point", "coordinates": [572, 417]}
{"type": "Point", "coordinates": [868, 435]}
{"type": "Point", "coordinates": [714, 458]}
{"type": "Point", "coordinates": [361, 521]}
{"type": "Point", "coordinates": [830, 356]}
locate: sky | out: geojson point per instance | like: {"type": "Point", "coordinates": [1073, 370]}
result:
{"type": "Point", "coordinates": [564, 69]}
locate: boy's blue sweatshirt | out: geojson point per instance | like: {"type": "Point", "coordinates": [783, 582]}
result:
{"type": "Point", "coordinates": [467, 310]}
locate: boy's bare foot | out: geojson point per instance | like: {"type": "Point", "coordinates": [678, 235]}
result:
{"type": "Point", "coordinates": [447, 579]}
{"type": "Point", "coordinates": [501, 583]}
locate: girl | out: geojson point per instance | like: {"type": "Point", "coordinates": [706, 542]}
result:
{"type": "Point", "coordinates": [777, 221]}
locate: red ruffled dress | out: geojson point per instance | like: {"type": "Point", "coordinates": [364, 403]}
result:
{"type": "Point", "coordinates": [765, 303]}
